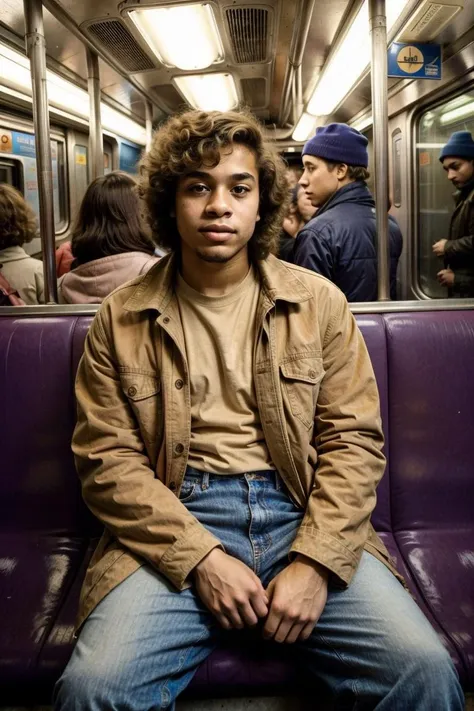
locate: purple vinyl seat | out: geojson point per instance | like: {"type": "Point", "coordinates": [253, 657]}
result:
{"type": "Point", "coordinates": [424, 511]}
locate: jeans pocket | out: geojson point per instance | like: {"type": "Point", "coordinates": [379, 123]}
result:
{"type": "Point", "coordinates": [188, 489]}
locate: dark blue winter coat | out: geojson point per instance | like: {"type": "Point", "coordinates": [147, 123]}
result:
{"type": "Point", "coordinates": [340, 243]}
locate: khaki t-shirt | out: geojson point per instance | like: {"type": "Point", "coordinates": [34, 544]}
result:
{"type": "Point", "coordinates": [219, 333]}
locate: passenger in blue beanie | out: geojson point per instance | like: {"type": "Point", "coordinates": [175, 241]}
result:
{"type": "Point", "coordinates": [457, 157]}
{"type": "Point", "coordinates": [340, 242]}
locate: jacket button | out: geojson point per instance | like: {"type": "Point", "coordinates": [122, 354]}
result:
{"type": "Point", "coordinates": [132, 391]}
{"type": "Point", "coordinates": [166, 319]}
{"type": "Point", "coordinates": [179, 448]}
{"type": "Point", "coordinates": [179, 384]}
{"type": "Point", "coordinates": [172, 485]}
{"type": "Point", "coordinates": [312, 373]}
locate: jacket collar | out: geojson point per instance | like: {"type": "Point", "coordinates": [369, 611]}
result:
{"type": "Point", "coordinates": [466, 193]}
{"type": "Point", "coordinates": [156, 289]}
{"type": "Point", "coordinates": [355, 192]}
{"type": "Point", "coordinates": [13, 254]}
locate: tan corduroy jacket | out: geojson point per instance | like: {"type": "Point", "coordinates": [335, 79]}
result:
{"type": "Point", "coordinates": [318, 405]}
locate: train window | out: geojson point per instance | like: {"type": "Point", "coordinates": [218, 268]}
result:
{"type": "Point", "coordinates": [107, 161]}
{"type": "Point", "coordinates": [435, 192]}
{"type": "Point", "coordinates": [10, 172]}
{"type": "Point", "coordinates": [397, 167]}
{"type": "Point", "coordinates": [18, 167]}
{"type": "Point", "coordinates": [81, 170]}
{"type": "Point", "coordinates": [128, 157]}
{"type": "Point", "coordinates": [59, 185]}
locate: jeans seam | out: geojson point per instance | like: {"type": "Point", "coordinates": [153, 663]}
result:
{"type": "Point", "coordinates": [337, 654]}
{"type": "Point", "coordinates": [181, 660]}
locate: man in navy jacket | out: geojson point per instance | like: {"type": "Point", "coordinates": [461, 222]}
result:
{"type": "Point", "coordinates": [340, 242]}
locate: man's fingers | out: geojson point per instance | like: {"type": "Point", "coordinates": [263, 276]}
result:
{"type": "Point", "coordinates": [307, 631]}
{"type": "Point", "coordinates": [295, 633]}
{"type": "Point", "coordinates": [248, 615]}
{"type": "Point", "coordinates": [272, 624]}
{"type": "Point", "coordinates": [286, 625]}
{"type": "Point", "coordinates": [260, 604]}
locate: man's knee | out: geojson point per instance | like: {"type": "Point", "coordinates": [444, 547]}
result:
{"type": "Point", "coordinates": [431, 668]}
{"type": "Point", "coordinates": [85, 688]}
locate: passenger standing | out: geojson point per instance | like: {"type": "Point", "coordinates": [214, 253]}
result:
{"type": "Point", "coordinates": [457, 157]}
{"type": "Point", "coordinates": [299, 212]}
{"type": "Point", "coordinates": [340, 242]}
{"type": "Point", "coordinates": [17, 227]}
{"type": "Point", "coordinates": [110, 244]}
{"type": "Point", "coordinates": [229, 440]}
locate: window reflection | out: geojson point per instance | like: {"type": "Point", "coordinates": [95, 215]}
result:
{"type": "Point", "coordinates": [435, 192]}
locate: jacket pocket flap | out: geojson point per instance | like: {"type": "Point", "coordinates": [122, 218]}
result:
{"type": "Point", "coordinates": [138, 387]}
{"type": "Point", "coordinates": [304, 370]}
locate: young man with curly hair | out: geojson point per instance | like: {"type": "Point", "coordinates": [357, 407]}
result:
{"type": "Point", "coordinates": [229, 439]}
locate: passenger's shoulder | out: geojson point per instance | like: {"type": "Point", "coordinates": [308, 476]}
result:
{"type": "Point", "coordinates": [317, 284]}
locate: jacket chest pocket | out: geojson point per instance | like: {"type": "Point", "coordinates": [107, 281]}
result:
{"type": "Point", "coordinates": [300, 379]}
{"type": "Point", "coordinates": [143, 392]}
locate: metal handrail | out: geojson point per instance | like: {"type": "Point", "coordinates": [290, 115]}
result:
{"type": "Point", "coordinates": [36, 50]}
{"type": "Point", "coordinates": [369, 307]}
{"type": "Point", "coordinates": [378, 32]}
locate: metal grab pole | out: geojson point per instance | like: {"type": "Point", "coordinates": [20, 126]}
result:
{"type": "Point", "coordinates": [36, 50]}
{"type": "Point", "coordinates": [148, 124]}
{"type": "Point", "coordinates": [95, 128]}
{"type": "Point", "coordinates": [378, 32]}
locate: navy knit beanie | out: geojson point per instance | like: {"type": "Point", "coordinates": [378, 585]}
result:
{"type": "Point", "coordinates": [340, 143]}
{"type": "Point", "coordinates": [460, 145]}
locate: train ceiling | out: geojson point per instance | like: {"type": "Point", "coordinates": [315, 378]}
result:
{"type": "Point", "coordinates": [255, 43]}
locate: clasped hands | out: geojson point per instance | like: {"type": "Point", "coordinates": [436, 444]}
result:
{"type": "Point", "coordinates": [291, 605]}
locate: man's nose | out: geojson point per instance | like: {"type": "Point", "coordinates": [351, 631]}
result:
{"type": "Point", "coordinates": [218, 203]}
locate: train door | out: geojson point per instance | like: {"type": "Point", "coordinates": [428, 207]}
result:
{"type": "Point", "coordinates": [435, 194]}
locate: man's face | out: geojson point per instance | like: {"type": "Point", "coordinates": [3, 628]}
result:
{"type": "Point", "coordinates": [460, 171]}
{"type": "Point", "coordinates": [217, 208]}
{"type": "Point", "coordinates": [305, 208]}
{"type": "Point", "coordinates": [319, 183]}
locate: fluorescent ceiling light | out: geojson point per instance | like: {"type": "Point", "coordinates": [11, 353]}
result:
{"type": "Point", "coordinates": [120, 124]}
{"type": "Point", "coordinates": [208, 92]}
{"type": "Point", "coordinates": [455, 114]}
{"type": "Point", "coordinates": [63, 94]}
{"type": "Point", "coordinates": [304, 128]}
{"type": "Point", "coordinates": [350, 60]}
{"type": "Point", "coordinates": [184, 37]}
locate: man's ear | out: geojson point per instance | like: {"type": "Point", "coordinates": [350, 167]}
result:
{"type": "Point", "coordinates": [341, 171]}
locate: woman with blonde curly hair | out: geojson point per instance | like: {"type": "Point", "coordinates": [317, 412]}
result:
{"type": "Point", "coordinates": [18, 226]}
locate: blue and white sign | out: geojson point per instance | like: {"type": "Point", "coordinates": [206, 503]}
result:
{"type": "Point", "coordinates": [414, 61]}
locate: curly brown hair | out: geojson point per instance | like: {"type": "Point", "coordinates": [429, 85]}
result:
{"type": "Point", "coordinates": [195, 138]}
{"type": "Point", "coordinates": [17, 219]}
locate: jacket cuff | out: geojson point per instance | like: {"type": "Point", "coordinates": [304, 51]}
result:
{"type": "Point", "coordinates": [326, 550]}
{"type": "Point", "coordinates": [449, 247]}
{"type": "Point", "coordinates": [177, 562]}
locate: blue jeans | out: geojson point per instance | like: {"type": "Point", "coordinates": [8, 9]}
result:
{"type": "Point", "coordinates": [372, 647]}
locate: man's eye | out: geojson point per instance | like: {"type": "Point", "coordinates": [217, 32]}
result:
{"type": "Point", "coordinates": [240, 190]}
{"type": "Point", "coordinates": [199, 188]}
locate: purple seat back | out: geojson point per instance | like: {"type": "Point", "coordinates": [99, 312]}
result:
{"type": "Point", "coordinates": [431, 358]}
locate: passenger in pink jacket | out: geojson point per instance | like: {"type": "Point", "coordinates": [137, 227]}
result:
{"type": "Point", "coordinates": [110, 243]}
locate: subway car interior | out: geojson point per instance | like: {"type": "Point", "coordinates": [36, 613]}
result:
{"type": "Point", "coordinates": [92, 81]}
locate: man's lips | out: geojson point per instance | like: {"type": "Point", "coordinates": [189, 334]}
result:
{"type": "Point", "coordinates": [217, 233]}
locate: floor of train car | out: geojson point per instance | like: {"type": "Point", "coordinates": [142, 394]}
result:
{"type": "Point", "coordinates": [256, 704]}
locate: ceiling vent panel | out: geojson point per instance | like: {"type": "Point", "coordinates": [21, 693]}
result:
{"type": "Point", "coordinates": [429, 19]}
{"type": "Point", "coordinates": [254, 92]}
{"type": "Point", "coordinates": [121, 45]}
{"type": "Point", "coordinates": [249, 31]}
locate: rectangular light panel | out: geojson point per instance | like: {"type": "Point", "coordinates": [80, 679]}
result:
{"type": "Point", "coordinates": [184, 37]}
